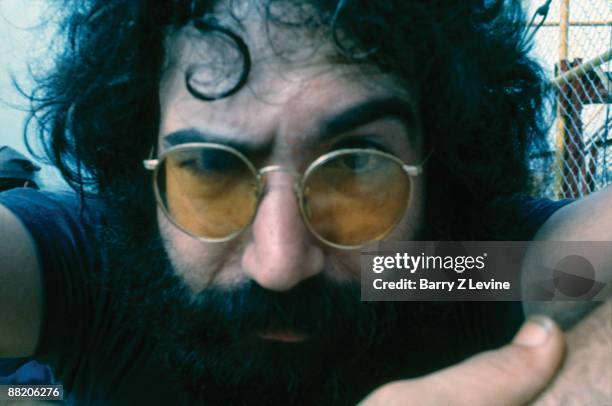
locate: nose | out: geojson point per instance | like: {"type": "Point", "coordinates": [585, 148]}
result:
{"type": "Point", "coordinates": [281, 251]}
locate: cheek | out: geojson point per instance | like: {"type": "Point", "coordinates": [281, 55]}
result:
{"type": "Point", "coordinates": [411, 225]}
{"type": "Point", "coordinates": [189, 196]}
{"type": "Point", "coordinates": [198, 264]}
{"type": "Point", "coordinates": [346, 265]}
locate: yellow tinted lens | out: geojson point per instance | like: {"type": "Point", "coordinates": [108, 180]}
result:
{"type": "Point", "coordinates": [209, 192]}
{"type": "Point", "coordinates": [355, 198]}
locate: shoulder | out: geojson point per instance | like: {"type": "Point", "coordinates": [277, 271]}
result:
{"type": "Point", "coordinates": [586, 219]}
{"type": "Point", "coordinates": [46, 214]}
{"type": "Point", "coordinates": [520, 217]}
{"type": "Point", "coordinates": [26, 202]}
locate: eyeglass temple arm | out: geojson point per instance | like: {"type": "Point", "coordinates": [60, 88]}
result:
{"type": "Point", "coordinates": [418, 169]}
{"type": "Point", "coordinates": [150, 164]}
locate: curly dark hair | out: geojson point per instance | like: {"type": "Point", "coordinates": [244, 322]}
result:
{"type": "Point", "coordinates": [481, 96]}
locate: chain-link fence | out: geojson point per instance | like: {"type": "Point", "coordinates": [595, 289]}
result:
{"type": "Point", "coordinates": [575, 44]}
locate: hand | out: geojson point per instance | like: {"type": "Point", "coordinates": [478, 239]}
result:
{"type": "Point", "coordinates": [512, 375]}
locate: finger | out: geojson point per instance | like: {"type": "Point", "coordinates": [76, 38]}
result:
{"type": "Point", "coordinates": [511, 375]}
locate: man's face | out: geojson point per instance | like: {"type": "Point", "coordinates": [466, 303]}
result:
{"type": "Point", "coordinates": [273, 307]}
{"type": "Point", "coordinates": [283, 116]}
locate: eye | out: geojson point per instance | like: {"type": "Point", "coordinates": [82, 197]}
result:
{"type": "Point", "coordinates": [209, 162]}
{"type": "Point", "coordinates": [359, 162]}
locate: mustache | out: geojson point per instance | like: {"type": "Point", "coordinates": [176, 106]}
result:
{"type": "Point", "coordinates": [319, 307]}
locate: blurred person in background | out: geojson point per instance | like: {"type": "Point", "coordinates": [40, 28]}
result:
{"type": "Point", "coordinates": [16, 170]}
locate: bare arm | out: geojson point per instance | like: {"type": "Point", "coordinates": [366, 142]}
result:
{"type": "Point", "coordinates": [21, 293]}
{"type": "Point", "coordinates": [588, 219]}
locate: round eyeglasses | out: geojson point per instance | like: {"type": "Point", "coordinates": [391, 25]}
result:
{"type": "Point", "coordinates": [348, 197]}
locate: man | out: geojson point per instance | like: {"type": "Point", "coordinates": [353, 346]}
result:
{"type": "Point", "coordinates": [16, 170]}
{"type": "Point", "coordinates": [281, 137]}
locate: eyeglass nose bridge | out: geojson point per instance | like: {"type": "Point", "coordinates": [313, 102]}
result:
{"type": "Point", "coordinates": [279, 168]}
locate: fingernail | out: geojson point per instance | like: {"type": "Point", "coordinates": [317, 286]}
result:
{"type": "Point", "coordinates": [534, 332]}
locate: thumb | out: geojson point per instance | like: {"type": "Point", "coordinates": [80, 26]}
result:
{"type": "Point", "coordinates": [511, 375]}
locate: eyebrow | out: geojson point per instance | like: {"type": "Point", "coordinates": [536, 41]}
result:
{"type": "Point", "coordinates": [368, 112]}
{"type": "Point", "coordinates": [188, 135]}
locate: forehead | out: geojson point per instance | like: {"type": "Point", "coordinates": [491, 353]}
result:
{"type": "Point", "coordinates": [295, 78]}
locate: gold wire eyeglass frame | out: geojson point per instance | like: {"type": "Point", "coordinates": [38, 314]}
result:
{"type": "Point", "coordinates": [298, 185]}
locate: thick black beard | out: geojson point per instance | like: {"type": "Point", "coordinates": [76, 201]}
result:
{"type": "Point", "coordinates": [207, 342]}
